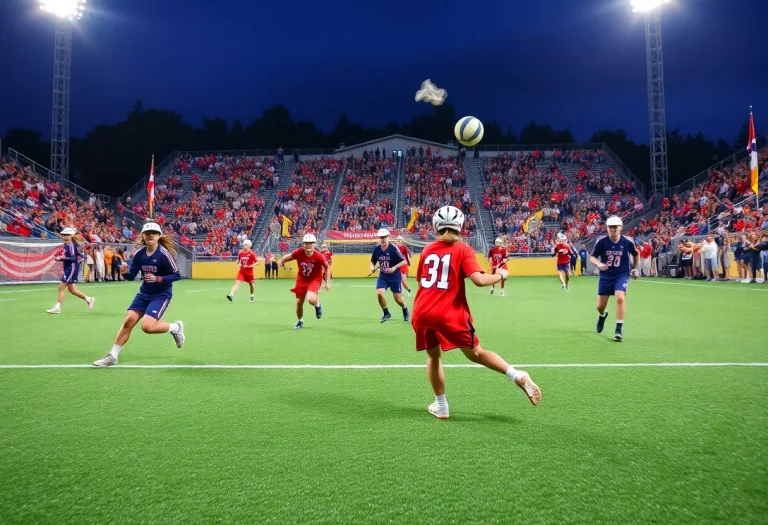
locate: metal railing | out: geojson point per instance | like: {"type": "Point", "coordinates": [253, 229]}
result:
{"type": "Point", "coordinates": [8, 216]}
{"type": "Point", "coordinates": [44, 172]}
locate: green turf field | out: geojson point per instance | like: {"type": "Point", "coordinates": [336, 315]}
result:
{"type": "Point", "coordinates": [609, 444]}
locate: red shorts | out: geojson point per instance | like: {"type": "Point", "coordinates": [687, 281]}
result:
{"type": "Point", "coordinates": [301, 288]}
{"type": "Point", "coordinates": [404, 270]}
{"type": "Point", "coordinates": [503, 266]}
{"type": "Point", "coordinates": [447, 340]}
{"type": "Point", "coordinates": [245, 277]}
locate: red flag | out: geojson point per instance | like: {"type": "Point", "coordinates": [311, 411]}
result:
{"type": "Point", "coordinates": [151, 188]}
{"type": "Point", "coordinates": [752, 152]}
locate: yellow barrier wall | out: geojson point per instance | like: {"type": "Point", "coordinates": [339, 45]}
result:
{"type": "Point", "coordinates": [358, 266]}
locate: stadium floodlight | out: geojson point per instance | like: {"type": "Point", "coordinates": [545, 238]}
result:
{"type": "Point", "coordinates": [657, 112]}
{"type": "Point", "coordinates": [67, 9]}
{"type": "Point", "coordinates": [65, 12]}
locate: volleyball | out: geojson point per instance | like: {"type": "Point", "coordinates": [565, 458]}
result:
{"type": "Point", "coordinates": [468, 131]}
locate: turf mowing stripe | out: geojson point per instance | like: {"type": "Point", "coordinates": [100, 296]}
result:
{"type": "Point", "coordinates": [749, 289]}
{"type": "Point", "coordinates": [206, 290]}
{"type": "Point", "coordinates": [370, 367]}
{"type": "Point", "coordinates": [6, 300]}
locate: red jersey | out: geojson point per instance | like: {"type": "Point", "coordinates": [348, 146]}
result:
{"type": "Point", "coordinates": [328, 256]}
{"type": "Point", "coordinates": [645, 251]}
{"type": "Point", "coordinates": [406, 253]}
{"type": "Point", "coordinates": [246, 258]}
{"type": "Point", "coordinates": [497, 255]}
{"type": "Point", "coordinates": [268, 258]}
{"type": "Point", "coordinates": [312, 268]}
{"type": "Point", "coordinates": [563, 251]}
{"type": "Point", "coordinates": [441, 301]}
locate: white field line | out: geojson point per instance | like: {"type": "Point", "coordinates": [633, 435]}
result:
{"type": "Point", "coordinates": [206, 290]}
{"type": "Point", "coordinates": [401, 366]}
{"type": "Point", "coordinates": [6, 300]}
{"type": "Point", "coordinates": [88, 285]}
{"type": "Point", "coordinates": [747, 288]}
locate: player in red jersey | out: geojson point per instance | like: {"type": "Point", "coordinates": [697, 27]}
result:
{"type": "Point", "coordinates": [246, 260]}
{"type": "Point", "coordinates": [563, 250]}
{"type": "Point", "coordinates": [329, 259]}
{"type": "Point", "coordinates": [441, 317]}
{"type": "Point", "coordinates": [404, 269]}
{"type": "Point", "coordinates": [313, 269]}
{"type": "Point", "coordinates": [497, 257]}
{"type": "Point", "coordinates": [268, 258]}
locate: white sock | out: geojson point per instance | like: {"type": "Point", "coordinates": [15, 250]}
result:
{"type": "Point", "coordinates": [116, 351]}
{"type": "Point", "coordinates": [173, 327]}
{"type": "Point", "coordinates": [442, 403]}
{"type": "Point", "coordinates": [619, 322]}
{"type": "Point", "coordinates": [513, 373]}
{"type": "Point", "coordinates": [604, 314]}
{"type": "Point", "coordinates": [86, 299]}
{"type": "Point", "coordinates": [58, 305]}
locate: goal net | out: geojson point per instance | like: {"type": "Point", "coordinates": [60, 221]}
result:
{"type": "Point", "coordinates": [27, 262]}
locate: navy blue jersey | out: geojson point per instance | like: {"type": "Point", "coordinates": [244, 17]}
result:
{"type": "Point", "coordinates": [71, 259]}
{"type": "Point", "coordinates": [615, 255]}
{"type": "Point", "coordinates": [387, 259]}
{"type": "Point", "coordinates": [162, 264]}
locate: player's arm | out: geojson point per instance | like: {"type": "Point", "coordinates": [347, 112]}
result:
{"type": "Point", "coordinates": [67, 257]}
{"type": "Point", "coordinates": [635, 260]}
{"type": "Point", "coordinates": [170, 273]}
{"type": "Point", "coordinates": [485, 279]}
{"type": "Point", "coordinates": [399, 264]}
{"type": "Point", "coordinates": [284, 259]}
{"type": "Point", "coordinates": [373, 262]}
{"type": "Point", "coordinates": [597, 251]}
{"type": "Point", "coordinates": [134, 270]}
{"type": "Point", "coordinates": [326, 273]}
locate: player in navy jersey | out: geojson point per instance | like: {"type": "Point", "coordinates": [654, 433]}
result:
{"type": "Point", "coordinates": [156, 262]}
{"type": "Point", "coordinates": [389, 259]}
{"type": "Point", "coordinates": [617, 258]}
{"type": "Point", "coordinates": [72, 259]}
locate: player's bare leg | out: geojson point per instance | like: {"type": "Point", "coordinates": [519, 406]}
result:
{"type": "Point", "coordinates": [405, 283]}
{"type": "Point", "coordinates": [383, 303]}
{"type": "Point", "coordinates": [502, 288]}
{"type": "Point", "coordinates": [123, 334]}
{"type": "Point", "coordinates": [562, 279]}
{"type": "Point", "coordinates": [399, 300]}
{"type": "Point", "coordinates": [602, 303]}
{"type": "Point", "coordinates": [495, 362]}
{"type": "Point", "coordinates": [299, 313]}
{"type": "Point", "coordinates": [63, 287]}
{"type": "Point", "coordinates": [439, 408]}
{"type": "Point", "coordinates": [251, 286]}
{"type": "Point", "coordinates": [621, 309]}
{"type": "Point", "coordinates": [314, 300]}
{"type": "Point", "coordinates": [231, 294]}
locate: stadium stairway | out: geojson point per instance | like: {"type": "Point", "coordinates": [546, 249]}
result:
{"type": "Point", "coordinates": [333, 209]}
{"type": "Point", "coordinates": [476, 186]}
{"type": "Point", "coordinates": [400, 217]}
{"type": "Point", "coordinates": [285, 173]}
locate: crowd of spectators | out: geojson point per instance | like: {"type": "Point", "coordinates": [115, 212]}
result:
{"type": "Point", "coordinates": [366, 198]}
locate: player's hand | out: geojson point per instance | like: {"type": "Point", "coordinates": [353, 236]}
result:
{"type": "Point", "coordinates": [327, 287]}
{"type": "Point", "coordinates": [635, 274]}
{"type": "Point", "coordinates": [388, 270]}
{"type": "Point", "coordinates": [602, 267]}
{"type": "Point", "coordinates": [59, 258]}
{"type": "Point", "coordinates": [150, 278]}
{"type": "Point", "coordinates": [504, 273]}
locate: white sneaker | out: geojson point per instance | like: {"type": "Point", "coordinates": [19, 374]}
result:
{"type": "Point", "coordinates": [491, 290]}
{"type": "Point", "coordinates": [435, 411]}
{"type": "Point", "coordinates": [107, 360]}
{"type": "Point", "coordinates": [179, 336]}
{"type": "Point", "coordinates": [502, 293]}
{"type": "Point", "coordinates": [54, 310]}
{"type": "Point", "coordinates": [253, 300]}
{"type": "Point", "coordinates": [529, 387]}
{"type": "Point", "coordinates": [90, 302]}
{"type": "Point", "coordinates": [409, 293]}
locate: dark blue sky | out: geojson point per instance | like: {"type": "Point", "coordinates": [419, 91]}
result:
{"type": "Point", "coordinates": [563, 62]}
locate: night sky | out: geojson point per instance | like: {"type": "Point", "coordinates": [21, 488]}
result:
{"type": "Point", "coordinates": [576, 63]}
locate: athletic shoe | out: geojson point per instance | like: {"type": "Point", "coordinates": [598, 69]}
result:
{"type": "Point", "coordinates": [406, 315]}
{"type": "Point", "coordinates": [229, 296]}
{"type": "Point", "coordinates": [179, 336]}
{"type": "Point", "coordinates": [385, 318]}
{"type": "Point", "coordinates": [319, 311]}
{"type": "Point", "coordinates": [54, 310]}
{"type": "Point", "coordinates": [601, 323]}
{"type": "Point", "coordinates": [90, 303]}
{"type": "Point", "coordinates": [435, 411]}
{"type": "Point", "coordinates": [617, 334]}
{"type": "Point", "coordinates": [409, 292]}
{"type": "Point", "coordinates": [491, 290]}
{"type": "Point", "coordinates": [107, 360]}
{"type": "Point", "coordinates": [502, 292]}
{"type": "Point", "coordinates": [529, 387]}
{"type": "Point", "coordinates": [562, 286]}
{"type": "Point", "coordinates": [299, 325]}
{"type": "Point", "coordinates": [253, 300]}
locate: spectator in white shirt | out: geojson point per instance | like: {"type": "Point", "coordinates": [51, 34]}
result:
{"type": "Point", "coordinates": [709, 257]}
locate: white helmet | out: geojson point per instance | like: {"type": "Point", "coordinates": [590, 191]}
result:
{"type": "Point", "coordinates": [151, 227]}
{"type": "Point", "coordinates": [68, 231]}
{"type": "Point", "coordinates": [614, 220]}
{"type": "Point", "coordinates": [247, 243]}
{"type": "Point", "coordinates": [383, 233]}
{"type": "Point", "coordinates": [562, 237]}
{"type": "Point", "coordinates": [498, 241]}
{"type": "Point", "coordinates": [309, 238]}
{"type": "Point", "coordinates": [448, 217]}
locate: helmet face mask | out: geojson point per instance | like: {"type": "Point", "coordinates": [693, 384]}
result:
{"type": "Point", "coordinates": [448, 217]}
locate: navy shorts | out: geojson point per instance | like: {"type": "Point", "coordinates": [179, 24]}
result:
{"type": "Point", "coordinates": [563, 267]}
{"type": "Point", "coordinates": [70, 277]}
{"type": "Point", "coordinates": [394, 283]}
{"type": "Point", "coordinates": [610, 284]}
{"type": "Point", "coordinates": [149, 305]}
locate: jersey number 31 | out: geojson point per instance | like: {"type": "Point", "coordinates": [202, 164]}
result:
{"type": "Point", "coordinates": [434, 265]}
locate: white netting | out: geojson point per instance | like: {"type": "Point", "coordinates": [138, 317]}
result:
{"type": "Point", "coordinates": [27, 262]}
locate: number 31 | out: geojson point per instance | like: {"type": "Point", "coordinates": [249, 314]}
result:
{"type": "Point", "coordinates": [433, 264]}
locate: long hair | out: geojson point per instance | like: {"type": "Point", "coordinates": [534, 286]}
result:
{"type": "Point", "coordinates": [448, 235]}
{"type": "Point", "coordinates": [166, 241]}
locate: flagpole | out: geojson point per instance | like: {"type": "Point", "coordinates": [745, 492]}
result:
{"type": "Point", "coordinates": [151, 189]}
{"type": "Point", "coordinates": [753, 136]}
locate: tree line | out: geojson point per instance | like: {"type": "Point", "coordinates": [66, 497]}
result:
{"type": "Point", "coordinates": [112, 157]}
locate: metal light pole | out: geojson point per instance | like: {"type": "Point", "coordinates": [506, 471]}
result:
{"type": "Point", "coordinates": [65, 11]}
{"type": "Point", "coordinates": [657, 112]}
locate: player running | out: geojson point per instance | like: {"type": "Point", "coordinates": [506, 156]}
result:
{"type": "Point", "coordinates": [389, 259]}
{"type": "Point", "coordinates": [564, 251]}
{"type": "Point", "coordinates": [157, 264]}
{"type": "Point", "coordinates": [313, 268]}
{"type": "Point", "coordinates": [329, 259]}
{"type": "Point", "coordinates": [72, 259]}
{"type": "Point", "coordinates": [497, 258]}
{"type": "Point", "coordinates": [611, 255]}
{"type": "Point", "coordinates": [247, 261]}
{"type": "Point", "coordinates": [404, 269]}
{"type": "Point", "coordinates": [441, 317]}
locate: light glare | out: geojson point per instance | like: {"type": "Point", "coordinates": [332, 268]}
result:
{"type": "Point", "coordinates": [70, 9]}
{"type": "Point", "coordinates": [642, 6]}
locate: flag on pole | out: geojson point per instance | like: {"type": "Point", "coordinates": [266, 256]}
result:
{"type": "Point", "coordinates": [151, 188]}
{"type": "Point", "coordinates": [752, 152]}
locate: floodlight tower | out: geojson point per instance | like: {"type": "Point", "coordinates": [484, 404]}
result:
{"type": "Point", "coordinates": [657, 112]}
{"type": "Point", "coordinates": [66, 12]}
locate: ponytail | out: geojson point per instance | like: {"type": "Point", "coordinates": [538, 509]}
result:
{"type": "Point", "coordinates": [448, 235]}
